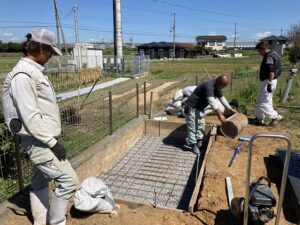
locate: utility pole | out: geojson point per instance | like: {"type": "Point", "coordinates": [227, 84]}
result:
{"type": "Point", "coordinates": [174, 34]}
{"type": "Point", "coordinates": [118, 42]}
{"type": "Point", "coordinates": [57, 24]}
{"type": "Point", "coordinates": [57, 33]}
{"type": "Point", "coordinates": [75, 10]}
{"type": "Point", "coordinates": [234, 39]}
{"type": "Point", "coordinates": [281, 31]}
{"type": "Point", "coordinates": [59, 27]}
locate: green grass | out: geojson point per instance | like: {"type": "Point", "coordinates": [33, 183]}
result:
{"type": "Point", "coordinates": [196, 66]}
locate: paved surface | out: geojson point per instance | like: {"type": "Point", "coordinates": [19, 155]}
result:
{"type": "Point", "coordinates": [72, 94]}
{"type": "Point", "coordinates": [155, 171]}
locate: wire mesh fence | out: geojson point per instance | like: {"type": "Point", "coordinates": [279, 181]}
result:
{"type": "Point", "coordinates": [82, 126]}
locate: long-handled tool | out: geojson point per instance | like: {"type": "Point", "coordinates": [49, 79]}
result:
{"type": "Point", "coordinates": [243, 140]}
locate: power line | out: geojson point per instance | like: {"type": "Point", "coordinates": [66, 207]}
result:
{"type": "Point", "coordinates": [205, 11]}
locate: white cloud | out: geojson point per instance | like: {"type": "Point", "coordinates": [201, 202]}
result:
{"type": "Point", "coordinates": [6, 34]}
{"type": "Point", "coordinates": [14, 39]}
{"type": "Point", "coordinates": [212, 33]}
{"type": "Point", "coordinates": [262, 34]}
{"type": "Point", "coordinates": [92, 40]}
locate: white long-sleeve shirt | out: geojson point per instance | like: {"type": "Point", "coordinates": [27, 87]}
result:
{"type": "Point", "coordinates": [30, 97]}
{"type": "Point", "coordinates": [214, 104]}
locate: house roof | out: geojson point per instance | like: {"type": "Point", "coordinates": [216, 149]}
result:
{"type": "Point", "coordinates": [211, 38]}
{"type": "Point", "coordinates": [275, 38]}
{"type": "Point", "coordinates": [163, 44]}
{"type": "Point", "coordinates": [185, 45]}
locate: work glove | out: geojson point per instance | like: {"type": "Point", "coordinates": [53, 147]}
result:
{"type": "Point", "coordinates": [269, 88]}
{"type": "Point", "coordinates": [187, 110]}
{"type": "Point", "coordinates": [59, 151]}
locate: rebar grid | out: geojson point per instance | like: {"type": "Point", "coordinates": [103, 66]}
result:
{"type": "Point", "coordinates": [154, 171]}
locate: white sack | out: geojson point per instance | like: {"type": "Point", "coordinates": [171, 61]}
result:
{"type": "Point", "coordinates": [178, 95]}
{"type": "Point", "coordinates": [188, 90]}
{"type": "Point", "coordinates": [93, 196]}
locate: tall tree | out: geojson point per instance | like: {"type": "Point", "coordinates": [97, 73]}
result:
{"type": "Point", "coordinates": [294, 50]}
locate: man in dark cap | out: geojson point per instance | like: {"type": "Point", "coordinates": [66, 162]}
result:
{"type": "Point", "coordinates": [31, 111]}
{"type": "Point", "coordinates": [205, 94]}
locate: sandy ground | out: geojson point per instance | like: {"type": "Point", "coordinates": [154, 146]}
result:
{"type": "Point", "coordinates": [212, 205]}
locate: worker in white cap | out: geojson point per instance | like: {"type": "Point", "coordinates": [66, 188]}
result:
{"type": "Point", "coordinates": [31, 111]}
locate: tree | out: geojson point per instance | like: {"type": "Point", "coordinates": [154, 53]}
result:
{"type": "Point", "coordinates": [294, 50]}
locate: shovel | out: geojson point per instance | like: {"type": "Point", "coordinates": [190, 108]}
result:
{"type": "Point", "coordinates": [243, 140]}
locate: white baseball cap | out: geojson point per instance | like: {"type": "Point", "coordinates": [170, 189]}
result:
{"type": "Point", "coordinates": [46, 37]}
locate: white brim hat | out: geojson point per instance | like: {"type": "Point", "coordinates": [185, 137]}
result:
{"type": "Point", "coordinates": [46, 37]}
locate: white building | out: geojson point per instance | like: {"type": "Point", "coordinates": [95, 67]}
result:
{"type": "Point", "coordinates": [215, 42]}
{"type": "Point", "coordinates": [87, 55]}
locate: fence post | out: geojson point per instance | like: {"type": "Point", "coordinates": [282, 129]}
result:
{"type": "Point", "coordinates": [145, 99]}
{"type": "Point", "coordinates": [196, 80]}
{"type": "Point", "coordinates": [231, 81]}
{"type": "Point", "coordinates": [110, 114]}
{"type": "Point", "coordinates": [19, 162]}
{"type": "Point", "coordinates": [151, 103]}
{"type": "Point", "coordinates": [137, 100]}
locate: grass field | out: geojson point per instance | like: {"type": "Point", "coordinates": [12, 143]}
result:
{"type": "Point", "coordinates": [7, 63]}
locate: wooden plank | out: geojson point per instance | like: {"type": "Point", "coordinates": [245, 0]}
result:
{"type": "Point", "coordinates": [229, 190]}
{"type": "Point", "coordinates": [196, 191]}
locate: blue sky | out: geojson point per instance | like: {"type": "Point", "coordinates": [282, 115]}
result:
{"type": "Point", "coordinates": [151, 20]}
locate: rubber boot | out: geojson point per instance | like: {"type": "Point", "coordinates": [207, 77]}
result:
{"type": "Point", "coordinates": [195, 149]}
{"type": "Point", "coordinates": [58, 210]}
{"type": "Point", "coordinates": [39, 203]}
{"type": "Point", "coordinates": [199, 143]}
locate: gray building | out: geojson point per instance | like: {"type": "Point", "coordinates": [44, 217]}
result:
{"type": "Point", "coordinates": [277, 43]}
{"type": "Point", "coordinates": [164, 50]}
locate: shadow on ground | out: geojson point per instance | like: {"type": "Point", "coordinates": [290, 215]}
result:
{"type": "Point", "coordinates": [274, 173]}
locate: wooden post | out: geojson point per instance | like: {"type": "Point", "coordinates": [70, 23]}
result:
{"type": "Point", "coordinates": [19, 162]}
{"type": "Point", "coordinates": [231, 81]}
{"type": "Point", "coordinates": [196, 80]}
{"type": "Point", "coordinates": [145, 98]}
{"type": "Point", "coordinates": [151, 104]}
{"type": "Point", "coordinates": [110, 114]}
{"type": "Point", "coordinates": [137, 100]}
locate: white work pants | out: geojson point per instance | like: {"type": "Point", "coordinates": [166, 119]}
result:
{"type": "Point", "coordinates": [264, 107]}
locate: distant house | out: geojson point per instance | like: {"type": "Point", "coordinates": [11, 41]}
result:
{"type": "Point", "coordinates": [215, 42]}
{"type": "Point", "coordinates": [160, 50]}
{"type": "Point", "coordinates": [277, 43]}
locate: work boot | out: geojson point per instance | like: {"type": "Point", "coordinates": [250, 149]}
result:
{"type": "Point", "coordinates": [195, 149]}
{"type": "Point", "coordinates": [275, 121]}
{"type": "Point", "coordinates": [199, 143]}
{"type": "Point", "coordinates": [259, 122]}
{"type": "Point", "coordinates": [58, 210]}
{"type": "Point", "coordinates": [114, 211]}
{"type": "Point", "coordinates": [39, 203]}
